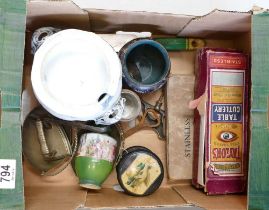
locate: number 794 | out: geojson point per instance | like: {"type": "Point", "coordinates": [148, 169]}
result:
{"type": "Point", "coordinates": [5, 173]}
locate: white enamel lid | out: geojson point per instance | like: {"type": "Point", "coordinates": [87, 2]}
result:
{"type": "Point", "coordinates": [72, 70]}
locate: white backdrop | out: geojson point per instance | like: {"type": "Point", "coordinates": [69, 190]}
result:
{"type": "Point", "coordinates": [186, 7]}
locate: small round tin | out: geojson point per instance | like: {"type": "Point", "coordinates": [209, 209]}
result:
{"type": "Point", "coordinates": [132, 105]}
{"type": "Point", "coordinates": [140, 172]}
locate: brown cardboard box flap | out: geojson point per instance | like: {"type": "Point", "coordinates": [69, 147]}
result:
{"type": "Point", "coordinates": [57, 14]}
{"type": "Point", "coordinates": [32, 178]}
{"type": "Point", "coordinates": [220, 202]}
{"type": "Point", "coordinates": [59, 192]}
{"type": "Point", "coordinates": [53, 197]}
{"type": "Point", "coordinates": [62, 191]}
{"type": "Point", "coordinates": [108, 198]}
{"type": "Point", "coordinates": [217, 21]}
{"type": "Point", "coordinates": [107, 21]}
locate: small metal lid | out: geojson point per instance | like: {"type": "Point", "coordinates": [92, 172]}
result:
{"type": "Point", "coordinates": [133, 148]}
{"type": "Point", "coordinates": [140, 172]}
{"type": "Point", "coordinates": [132, 105]}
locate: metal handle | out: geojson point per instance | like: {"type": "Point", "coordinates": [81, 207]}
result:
{"type": "Point", "coordinates": [63, 164]}
{"type": "Point", "coordinates": [42, 140]}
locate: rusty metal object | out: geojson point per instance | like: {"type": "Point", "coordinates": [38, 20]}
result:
{"type": "Point", "coordinates": [143, 124]}
{"type": "Point", "coordinates": [160, 129]}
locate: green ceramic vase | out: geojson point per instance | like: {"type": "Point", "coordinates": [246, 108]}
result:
{"type": "Point", "coordinates": [94, 160]}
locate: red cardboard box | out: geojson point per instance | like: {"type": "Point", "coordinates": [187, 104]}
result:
{"type": "Point", "coordinates": [220, 159]}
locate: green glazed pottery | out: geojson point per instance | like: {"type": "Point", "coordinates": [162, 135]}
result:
{"type": "Point", "coordinates": [95, 159]}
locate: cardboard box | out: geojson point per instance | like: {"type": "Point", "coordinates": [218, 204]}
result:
{"type": "Point", "coordinates": [222, 116]}
{"type": "Point", "coordinates": [12, 35]}
{"type": "Point", "coordinates": [220, 28]}
{"type": "Point", "coordinates": [258, 186]}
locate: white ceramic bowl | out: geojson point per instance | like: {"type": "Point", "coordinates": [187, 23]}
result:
{"type": "Point", "coordinates": [76, 75]}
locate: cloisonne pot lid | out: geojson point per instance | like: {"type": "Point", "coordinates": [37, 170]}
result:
{"type": "Point", "coordinates": [140, 172]}
{"type": "Point", "coordinates": [76, 75]}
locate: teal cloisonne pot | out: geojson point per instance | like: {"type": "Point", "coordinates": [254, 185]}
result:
{"type": "Point", "coordinates": [95, 159]}
{"type": "Point", "coordinates": [145, 65]}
